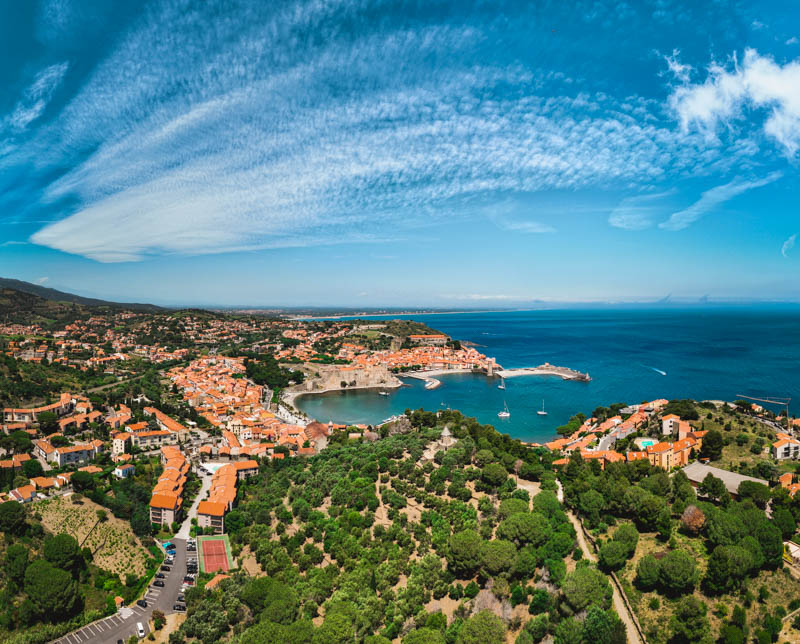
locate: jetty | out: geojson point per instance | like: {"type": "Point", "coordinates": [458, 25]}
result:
{"type": "Point", "coordinates": [546, 369]}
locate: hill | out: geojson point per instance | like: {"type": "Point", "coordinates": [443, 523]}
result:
{"type": "Point", "coordinates": [54, 295]}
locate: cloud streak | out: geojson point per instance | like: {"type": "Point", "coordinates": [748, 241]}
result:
{"type": "Point", "coordinates": [788, 245]}
{"type": "Point", "coordinates": [712, 199]}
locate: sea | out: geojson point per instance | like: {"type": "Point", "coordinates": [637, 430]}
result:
{"type": "Point", "coordinates": [632, 355]}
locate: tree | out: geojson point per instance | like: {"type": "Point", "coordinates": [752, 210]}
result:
{"type": "Point", "coordinates": [688, 623]}
{"type": "Point", "coordinates": [12, 517]}
{"type": "Point", "coordinates": [647, 572]}
{"type": "Point", "coordinates": [464, 555]}
{"type": "Point", "coordinates": [16, 562]}
{"type": "Point", "coordinates": [712, 487]}
{"type": "Point", "coordinates": [769, 538]}
{"type": "Point", "coordinates": [336, 629]}
{"type": "Point", "coordinates": [712, 445]}
{"type": "Point", "coordinates": [525, 528]}
{"type": "Point", "coordinates": [494, 475]}
{"type": "Point", "coordinates": [540, 602]}
{"type": "Point", "coordinates": [628, 536]}
{"type": "Point", "coordinates": [758, 492]}
{"type": "Point", "coordinates": [586, 586]}
{"type": "Point", "coordinates": [497, 556]}
{"type": "Point", "coordinates": [784, 519]}
{"type": "Point", "coordinates": [677, 572]}
{"type": "Point", "coordinates": [424, 636]}
{"type": "Point", "coordinates": [591, 504]}
{"type": "Point", "coordinates": [19, 442]}
{"type": "Point", "coordinates": [82, 481]}
{"type": "Point", "coordinates": [693, 520]}
{"type": "Point", "coordinates": [272, 598]}
{"type": "Point", "coordinates": [731, 634]}
{"type": "Point", "coordinates": [63, 552]}
{"type": "Point", "coordinates": [482, 628]}
{"type": "Point", "coordinates": [568, 631]}
{"type": "Point", "coordinates": [32, 468]}
{"type": "Point", "coordinates": [603, 626]}
{"type": "Point", "coordinates": [612, 555]}
{"type": "Point", "coordinates": [727, 566]}
{"type": "Point", "coordinates": [53, 591]}
{"type": "Point", "coordinates": [48, 422]}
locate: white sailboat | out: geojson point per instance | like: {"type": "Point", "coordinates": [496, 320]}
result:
{"type": "Point", "coordinates": [502, 384]}
{"type": "Point", "coordinates": [505, 413]}
{"type": "Point", "coordinates": [542, 412]}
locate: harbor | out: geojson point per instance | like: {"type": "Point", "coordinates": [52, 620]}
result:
{"type": "Point", "coordinates": [546, 369]}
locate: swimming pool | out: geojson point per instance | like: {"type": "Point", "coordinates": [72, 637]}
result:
{"type": "Point", "coordinates": [211, 467]}
{"type": "Point", "coordinates": [647, 442]}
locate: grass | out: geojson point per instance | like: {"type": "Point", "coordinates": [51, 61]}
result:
{"type": "Point", "coordinates": [114, 545]}
{"type": "Point", "coordinates": [654, 616]}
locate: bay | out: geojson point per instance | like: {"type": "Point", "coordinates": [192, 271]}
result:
{"type": "Point", "coordinates": [632, 355]}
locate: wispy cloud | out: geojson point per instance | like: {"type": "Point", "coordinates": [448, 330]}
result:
{"type": "Point", "coordinates": [42, 280]}
{"type": "Point", "coordinates": [788, 245]}
{"type": "Point", "coordinates": [730, 91]}
{"type": "Point", "coordinates": [639, 212]}
{"type": "Point", "coordinates": [713, 198]}
{"type": "Point", "coordinates": [32, 105]}
{"type": "Point", "coordinates": [280, 127]}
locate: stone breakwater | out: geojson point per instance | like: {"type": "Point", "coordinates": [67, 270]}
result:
{"type": "Point", "coordinates": [546, 369]}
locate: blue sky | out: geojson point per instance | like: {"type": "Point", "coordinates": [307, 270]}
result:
{"type": "Point", "coordinates": [429, 153]}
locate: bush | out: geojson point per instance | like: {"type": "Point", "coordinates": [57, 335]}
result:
{"type": "Point", "coordinates": [647, 572]}
{"type": "Point", "coordinates": [677, 572]}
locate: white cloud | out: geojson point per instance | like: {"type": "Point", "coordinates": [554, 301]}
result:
{"type": "Point", "coordinates": [788, 245]}
{"type": "Point", "coordinates": [488, 297]}
{"type": "Point", "coordinates": [41, 280]}
{"type": "Point", "coordinates": [681, 71]}
{"type": "Point", "coordinates": [639, 212]}
{"type": "Point", "coordinates": [37, 96]}
{"type": "Point", "coordinates": [792, 41]}
{"type": "Point", "coordinates": [713, 198]}
{"type": "Point", "coordinates": [247, 136]}
{"type": "Point", "coordinates": [731, 92]}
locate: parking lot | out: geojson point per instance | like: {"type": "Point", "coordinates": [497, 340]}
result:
{"type": "Point", "coordinates": [123, 624]}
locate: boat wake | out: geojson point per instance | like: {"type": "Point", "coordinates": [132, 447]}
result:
{"type": "Point", "coordinates": [663, 373]}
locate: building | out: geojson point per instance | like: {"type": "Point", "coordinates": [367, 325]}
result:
{"type": "Point", "coordinates": [669, 424]}
{"type": "Point", "coordinates": [430, 340]}
{"type": "Point", "coordinates": [785, 447]}
{"type": "Point", "coordinates": [164, 509]}
{"type": "Point", "coordinates": [121, 443]}
{"type": "Point", "coordinates": [63, 407]}
{"type": "Point", "coordinates": [697, 472]}
{"type": "Point", "coordinates": [24, 494]}
{"type": "Point", "coordinates": [154, 439]}
{"type": "Point", "coordinates": [70, 454]}
{"type": "Point", "coordinates": [660, 455]}
{"type": "Point", "coordinates": [124, 471]}
{"type": "Point", "coordinates": [211, 515]}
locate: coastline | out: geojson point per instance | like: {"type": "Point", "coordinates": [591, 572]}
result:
{"type": "Point", "coordinates": [288, 397]}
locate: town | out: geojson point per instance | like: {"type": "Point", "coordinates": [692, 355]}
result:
{"type": "Point", "coordinates": [182, 422]}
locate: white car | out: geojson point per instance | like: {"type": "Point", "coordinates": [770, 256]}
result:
{"type": "Point", "coordinates": [139, 629]}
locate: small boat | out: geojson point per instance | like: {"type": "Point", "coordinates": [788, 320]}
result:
{"type": "Point", "coordinates": [383, 393]}
{"type": "Point", "coordinates": [502, 384]}
{"type": "Point", "coordinates": [505, 413]}
{"type": "Point", "coordinates": [542, 412]}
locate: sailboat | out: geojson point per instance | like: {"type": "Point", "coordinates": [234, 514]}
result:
{"type": "Point", "coordinates": [542, 412]}
{"type": "Point", "coordinates": [505, 413]}
{"type": "Point", "coordinates": [502, 384]}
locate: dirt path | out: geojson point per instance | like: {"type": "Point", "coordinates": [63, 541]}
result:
{"type": "Point", "coordinates": [619, 604]}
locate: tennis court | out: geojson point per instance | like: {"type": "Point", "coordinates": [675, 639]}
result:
{"type": "Point", "coordinates": [214, 553]}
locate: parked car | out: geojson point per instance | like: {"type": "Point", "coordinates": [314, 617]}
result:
{"type": "Point", "coordinates": [160, 575]}
{"type": "Point", "coordinates": [158, 583]}
{"type": "Point", "coordinates": [180, 607]}
{"type": "Point", "coordinates": [181, 598]}
{"type": "Point", "coordinates": [165, 568]}
{"type": "Point", "coordinates": [139, 629]}
{"type": "Point", "coordinates": [171, 553]}
{"type": "Point", "coordinates": [141, 603]}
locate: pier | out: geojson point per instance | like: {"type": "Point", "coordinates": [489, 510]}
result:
{"type": "Point", "coordinates": [545, 369]}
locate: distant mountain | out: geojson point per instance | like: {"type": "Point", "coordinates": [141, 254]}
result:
{"type": "Point", "coordinates": [53, 295]}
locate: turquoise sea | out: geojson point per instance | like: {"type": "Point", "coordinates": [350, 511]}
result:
{"type": "Point", "coordinates": [632, 355]}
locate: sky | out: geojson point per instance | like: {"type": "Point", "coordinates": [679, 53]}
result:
{"type": "Point", "coordinates": [377, 153]}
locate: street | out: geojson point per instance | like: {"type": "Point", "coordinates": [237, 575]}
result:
{"type": "Point", "coordinates": [123, 624]}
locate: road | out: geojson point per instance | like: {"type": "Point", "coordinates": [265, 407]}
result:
{"type": "Point", "coordinates": [123, 624]}
{"type": "Point", "coordinates": [113, 384]}
{"type": "Point", "coordinates": [183, 533]}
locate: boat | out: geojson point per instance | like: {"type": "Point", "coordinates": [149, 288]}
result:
{"type": "Point", "coordinates": [542, 412]}
{"type": "Point", "coordinates": [505, 413]}
{"type": "Point", "coordinates": [383, 393]}
{"type": "Point", "coordinates": [502, 384]}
